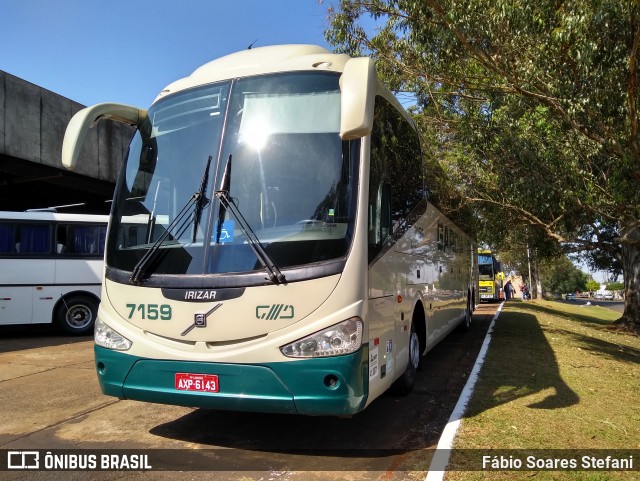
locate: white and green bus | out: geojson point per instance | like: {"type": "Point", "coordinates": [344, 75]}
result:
{"type": "Point", "coordinates": [271, 246]}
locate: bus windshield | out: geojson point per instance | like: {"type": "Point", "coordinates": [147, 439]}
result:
{"type": "Point", "coordinates": [485, 272]}
{"type": "Point", "coordinates": [271, 143]}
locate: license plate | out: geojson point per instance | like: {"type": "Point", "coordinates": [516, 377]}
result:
{"type": "Point", "coordinates": [197, 382]}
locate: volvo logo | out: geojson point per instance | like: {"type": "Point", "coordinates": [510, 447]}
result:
{"type": "Point", "coordinates": [200, 320]}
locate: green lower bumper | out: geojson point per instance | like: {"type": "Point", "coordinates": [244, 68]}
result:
{"type": "Point", "coordinates": [323, 386]}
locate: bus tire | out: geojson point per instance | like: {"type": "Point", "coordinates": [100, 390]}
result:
{"type": "Point", "coordinates": [76, 315]}
{"type": "Point", "coordinates": [404, 384]}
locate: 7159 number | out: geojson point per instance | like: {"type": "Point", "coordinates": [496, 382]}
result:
{"type": "Point", "coordinates": [151, 311]}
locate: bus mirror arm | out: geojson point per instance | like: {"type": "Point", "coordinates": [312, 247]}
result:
{"type": "Point", "coordinates": [358, 88]}
{"type": "Point", "coordinates": [86, 118]}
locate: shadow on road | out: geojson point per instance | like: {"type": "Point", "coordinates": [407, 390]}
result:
{"type": "Point", "coordinates": [18, 338]}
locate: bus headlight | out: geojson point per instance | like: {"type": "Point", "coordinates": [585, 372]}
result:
{"type": "Point", "coordinates": [342, 338]}
{"type": "Point", "coordinates": [107, 337]}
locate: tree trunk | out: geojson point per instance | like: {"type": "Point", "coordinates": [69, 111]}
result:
{"type": "Point", "coordinates": [538, 276]}
{"type": "Point", "coordinates": [630, 319]}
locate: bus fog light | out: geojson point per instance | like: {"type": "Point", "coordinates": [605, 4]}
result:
{"type": "Point", "coordinates": [110, 339]}
{"type": "Point", "coordinates": [343, 338]}
{"type": "Point", "coordinates": [331, 381]}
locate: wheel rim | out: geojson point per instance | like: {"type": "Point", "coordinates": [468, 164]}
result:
{"type": "Point", "coordinates": [79, 316]}
{"type": "Point", "coordinates": [414, 350]}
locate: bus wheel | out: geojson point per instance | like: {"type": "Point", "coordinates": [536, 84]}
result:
{"type": "Point", "coordinates": [76, 315]}
{"type": "Point", "coordinates": [404, 384]}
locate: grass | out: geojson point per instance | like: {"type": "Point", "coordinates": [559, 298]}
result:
{"type": "Point", "coordinates": [554, 378]}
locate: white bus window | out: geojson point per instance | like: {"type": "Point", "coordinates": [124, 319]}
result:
{"type": "Point", "coordinates": [76, 239]}
{"type": "Point", "coordinates": [7, 238]}
{"type": "Point", "coordinates": [33, 239]}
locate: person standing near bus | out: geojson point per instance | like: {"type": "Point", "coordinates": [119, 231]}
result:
{"type": "Point", "coordinates": [508, 290]}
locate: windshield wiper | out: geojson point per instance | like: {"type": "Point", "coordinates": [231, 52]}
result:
{"type": "Point", "coordinates": [225, 187]}
{"type": "Point", "coordinates": [275, 275]}
{"type": "Point", "coordinates": [201, 201]}
{"type": "Point", "coordinates": [140, 268]}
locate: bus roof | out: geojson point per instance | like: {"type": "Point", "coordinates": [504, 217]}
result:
{"type": "Point", "coordinates": [273, 59]}
{"type": "Point", "coordinates": [261, 60]}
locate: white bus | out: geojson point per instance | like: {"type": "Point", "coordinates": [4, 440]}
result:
{"type": "Point", "coordinates": [271, 245]}
{"type": "Point", "coordinates": [51, 268]}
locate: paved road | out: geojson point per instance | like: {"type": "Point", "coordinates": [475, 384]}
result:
{"type": "Point", "coordinates": [615, 305]}
{"type": "Point", "coordinates": [50, 399]}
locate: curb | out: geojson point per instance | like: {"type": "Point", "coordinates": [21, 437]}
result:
{"type": "Point", "coordinates": [443, 450]}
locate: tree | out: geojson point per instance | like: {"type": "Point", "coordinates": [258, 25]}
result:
{"type": "Point", "coordinates": [533, 106]}
{"type": "Point", "coordinates": [561, 276]}
{"type": "Point", "coordinates": [593, 286]}
{"type": "Point", "coordinates": [616, 287]}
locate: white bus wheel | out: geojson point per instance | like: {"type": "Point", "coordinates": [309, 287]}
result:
{"type": "Point", "coordinates": [404, 384]}
{"type": "Point", "coordinates": [77, 315]}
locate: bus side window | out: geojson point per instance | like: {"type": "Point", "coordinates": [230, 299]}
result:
{"type": "Point", "coordinates": [87, 239]}
{"type": "Point", "coordinates": [34, 239]}
{"type": "Point", "coordinates": [379, 218]}
{"type": "Point", "coordinates": [7, 238]}
{"type": "Point", "coordinates": [80, 239]}
{"type": "Point", "coordinates": [61, 239]}
{"type": "Point", "coordinates": [385, 211]}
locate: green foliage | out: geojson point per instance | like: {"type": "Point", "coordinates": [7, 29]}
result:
{"type": "Point", "coordinates": [592, 286]}
{"type": "Point", "coordinates": [615, 286]}
{"type": "Point", "coordinates": [532, 105]}
{"type": "Point", "coordinates": [531, 110]}
{"type": "Point", "coordinates": [561, 276]}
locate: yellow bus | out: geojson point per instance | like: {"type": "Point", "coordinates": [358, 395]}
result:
{"type": "Point", "coordinates": [271, 246]}
{"type": "Point", "coordinates": [490, 276]}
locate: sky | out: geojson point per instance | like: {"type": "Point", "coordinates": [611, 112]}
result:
{"type": "Point", "coordinates": [94, 51]}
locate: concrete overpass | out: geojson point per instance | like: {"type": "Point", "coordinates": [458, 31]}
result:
{"type": "Point", "coordinates": [32, 125]}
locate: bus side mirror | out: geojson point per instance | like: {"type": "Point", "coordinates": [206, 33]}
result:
{"type": "Point", "coordinates": [358, 85]}
{"type": "Point", "coordinates": [86, 118]}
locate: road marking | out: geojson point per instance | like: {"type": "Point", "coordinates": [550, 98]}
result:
{"type": "Point", "coordinates": [443, 450]}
